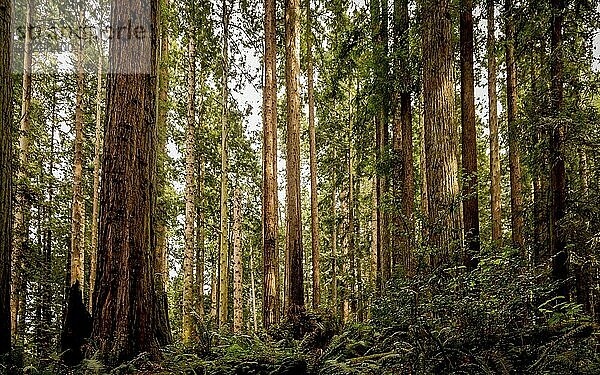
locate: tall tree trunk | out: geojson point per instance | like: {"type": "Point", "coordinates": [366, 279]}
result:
{"type": "Point", "coordinates": [253, 291]}
{"type": "Point", "coordinates": [469, 137]}
{"type": "Point", "coordinates": [224, 239]}
{"type": "Point", "coordinates": [314, 203]}
{"type": "Point", "coordinates": [125, 306]}
{"type": "Point", "coordinates": [423, 170]}
{"type": "Point", "coordinates": [6, 119]}
{"type": "Point", "coordinates": [96, 193]}
{"type": "Point", "coordinates": [334, 255]}
{"type": "Point", "coordinates": [403, 220]}
{"type": "Point", "coordinates": [77, 322]}
{"type": "Point", "coordinates": [77, 220]}
{"type": "Point", "coordinates": [440, 138]}
{"type": "Point", "coordinates": [558, 182]}
{"type": "Point", "coordinates": [496, 198]}
{"type": "Point", "coordinates": [21, 229]}
{"type": "Point", "coordinates": [294, 274]}
{"type": "Point", "coordinates": [514, 154]}
{"type": "Point", "coordinates": [351, 290]}
{"type": "Point", "coordinates": [238, 287]}
{"type": "Point", "coordinates": [214, 290]}
{"type": "Point", "coordinates": [270, 201]}
{"type": "Point", "coordinates": [384, 110]}
{"type": "Point", "coordinates": [190, 197]}
{"type": "Point", "coordinates": [160, 253]}
{"type": "Point", "coordinates": [200, 237]}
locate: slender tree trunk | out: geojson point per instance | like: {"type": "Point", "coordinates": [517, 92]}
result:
{"type": "Point", "coordinates": [6, 119]}
{"type": "Point", "coordinates": [238, 287]}
{"type": "Point", "coordinates": [200, 239]}
{"type": "Point", "coordinates": [77, 322]}
{"type": "Point", "coordinates": [77, 220]}
{"type": "Point", "coordinates": [351, 291]}
{"type": "Point", "coordinates": [374, 260]}
{"type": "Point", "coordinates": [469, 137]}
{"type": "Point", "coordinates": [514, 154]}
{"type": "Point", "coordinates": [334, 256]}
{"type": "Point", "coordinates": [295, 273]}
{"type": "Point", "coordinates": [95, 205]}
{"type": "Point", "coordinates": [21, 226]}
{"type": "Point", "coordinates": [224, 239]}
{"type": "Point", "coordinates": [125, 306]}
{"type": "Point", "coordinates": [253, 291]}
{"type": "Point", "coordinates": [160, 253]}
{"type": "Point", "coordinates": [403, 220]}
{"type": "Point", "coordinates": [495, 191]}
{"type": "Point", "coordinates": [214, 291]}
{"type": "Point", "coordinates": [440, 138]}
{"type": "Point", "coordinates": [558, 182]}
{"type": "Point", "coordinates": [270, 200]}
{"type": "Point", "coordinates": [384, 214]}
{"type": "Point", "coordinates": [314, 203]}
{"type": "Point", "coordinates": [190, 198]}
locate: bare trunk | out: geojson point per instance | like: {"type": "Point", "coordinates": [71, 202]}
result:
{"type": "Point", "coordinates": [294, 272]}
{"type": "Point", "coordinates": [270, 202]}
{"type": "Point", "coordinates": [440, 138]}
{"type": "Point", "coordinates": [514, 154]}
{"type": "Point", "coordinates": [238, 287]}
{"type": "Point", "coordinates": [469, 138]}
{"type": "Point", "coordinates": [223, 243]}
{"type": "Point", "coordinates": [200, 239]}
{"type": "Point", "coordinates": [314, 204]}
{"type": "Point", "coordinates": [253, 292]}
{"type": "Point", "coordinates": [124, 315]}
{"type": "Point", "coordinates": [558, 181]}
{"type": "Point", "coordinates": [334, 256]}
{"type": "Point", "coordinates": [403, 221]}
{"type": "Point", "coordinates": [495, 192]}
{"type": "Point", "coordinates": [190, 198]}
{"type": "Point", "coordinates": [95, 203]}
{"type": "Point", "coordinates": [6, 113]}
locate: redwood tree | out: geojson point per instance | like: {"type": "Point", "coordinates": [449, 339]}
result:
{"type": "Point", "coordinates": [270, 202]}
{"type": "Point", "coordinates": [125, 309]}
{"type": "Point", "coordinates": [294, 267]}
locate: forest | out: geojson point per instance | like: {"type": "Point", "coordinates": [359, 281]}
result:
{"type": "Point", "coordinates": [299, 187]}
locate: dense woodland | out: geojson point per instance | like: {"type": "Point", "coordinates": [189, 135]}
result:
{"type": "Point", "coordinates": [287, 187]}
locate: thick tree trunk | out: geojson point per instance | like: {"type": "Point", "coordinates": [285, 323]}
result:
{"type": "Point", "coordinates": [469, 137]}
{"type": "Point", "coordinates": [224, 239]}
{"type": "Point", "coordinates": [495, 192]}
{"type": "Point", "coordinates": [294, 273]}
{"type": "Point", "coordinates": [125, 306]}
{"type": "Point", "coordinates": [314, 203]}
{"type": "Point", "coordinates": [6, 119]}
{"type": "Point", "coordinates": [238, 287]}
{"type": "Point", "coordinates": [440, 135]}
{"type": "Point", "coordinates": [558, 181]}
{"type": "Point", "coordinates": [21, 226]}
{"type": "Point", "coordinates": [514, 154]}
{"type": "Point", "coordinates": [190, 198]}
{"type": "Point", "coordinates": [270, 200]}
{"type": "Point", "coordinates": [403, 220]}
